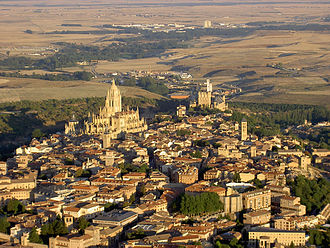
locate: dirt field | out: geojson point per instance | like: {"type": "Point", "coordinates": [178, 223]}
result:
{"type": "Point", "coordinates": [13, 89]}
{"type": "Point", "coordinates": [220, 59]}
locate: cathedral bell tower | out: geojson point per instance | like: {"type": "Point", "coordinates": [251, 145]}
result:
{"type": "Point", "coordinates": [113, 99]}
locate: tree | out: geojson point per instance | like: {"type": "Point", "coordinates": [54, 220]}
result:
{"type": "Point", "coordinates": [141, 190]}
{"type": "Point", "coordinates": [258, 183]}
{"type": "Point", "coordinates": [37, 133]}
{"type": "Point", "coordinates": [82, 223]}
{"type": "Point", "coordinates": [236, 178]}
{"type": "Point", "coordinates": [34, 236]}
{"type": "Point", "coordinates": [82, 173]}
{"type": "Point", "coordinates": [314, 194]}
{"type": "Point", "coordinates": [136, 234]}
{"type": "Point", "coordinates": [53, 229]}
{"type": "Point", "coordinates": [83, 75]}
{"type": "Point", "coordinates": [4, 225]}
{"type": "Point", "coordinates": [130, 201]}
{"type": "Point", "coordinates": [110, 206]}
{"type": "Point", "coordinates": [196, 154]}
{"type": "Point", "coordinates": [206, 202]}
{"type": "Point", "coordinates": [14, 207]}
{"type": "Point", "coordinates": [219, 245]}
{"type": "Point", "coordinates": [319, 238]}
{"type": "Point", "coordinates": [291, 245]}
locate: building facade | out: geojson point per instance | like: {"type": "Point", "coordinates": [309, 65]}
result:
{"type": "Point", "coordinates": [112, 120]}
{"type": "Point", "coordinates": [186, 175]}
{"type": "Point", "coordinates": [268, 237]}
{"type": "Point", "coordinates": [257, 200]}
{"type": "Point", "coordinates": [244, 129]}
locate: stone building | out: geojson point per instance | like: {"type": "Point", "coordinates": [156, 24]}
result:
{"type": "Point", "coordinates": [269, 237]}
{"type": "Point", "coordinates": [112, 119]}
{"type": "Point", "coordinates": [290, 206]}
{"type": "Point", "coordinates": [259, 217]}
{"type": "Point", "coordinates": [181, 111]}
{"type": "Point", "coordinates": [71, 128]}
{"type": "Point", "coordinates": [244, 129]}
{"type": "Point", "coordinates": [186, 174]}
{"type": "Point", "coordinates": [257, 199]}
{"type": "Point", "coordinates": [91, 238]}
{"type": "Point", "coordinates": [16, 188]}
{"type": "Point", "coordinates": [220, 103]}
{"type": "Point", "coordinates": [3, 168]}
{"type": "Point", "coordinates": [204, 98]}
{"type": "Point", "coordinates": [233, 204]}
{"type": "Point", "coordinates": [304, 162]}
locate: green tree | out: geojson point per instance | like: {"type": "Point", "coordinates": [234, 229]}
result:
{"type": "Point", "coordinates": [37, 133]}
{"type": "Point", "coordinates": [34, 236]}
{"type": "Point", "coordinates": [53, 229]}
{"type": "Point", "coordinates": [110, 206]}
{"type": "Point", "coordinates": [314, 194]}
{"type": "Point", "coordinates": [207, 202]}
{"type": "Point", "coordinates": [82, 173]}
{"type": "Point", "coordinates": [136, 234]}
{"type": "Point", "coordinates": [82, 75]}
{"type": "Point", "coordinates": [236, 178]}
{"type": "Point", "coordinates": [4, 225]}
{"type": "Point", "coordinates": [196, 154]}
{"type": "Point", "coordinates": [319, 237]}
{"type": "Point", "coordinates": [258, 183]}
{"type": "Point", "coordinates": [14, 207]}
{"type": "Point", "coordinates": [82, 223]}
{"type": "Point", "coordinates": [130, 201]}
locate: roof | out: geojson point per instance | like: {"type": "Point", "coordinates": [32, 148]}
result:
{"type": "Point", "coordinates": [264, 229]}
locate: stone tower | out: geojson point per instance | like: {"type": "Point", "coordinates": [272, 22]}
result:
{"type": "Point", "coordinates": [244, 129]}
{"type": "Point", "coordinates": [204, 98]}
{"type": "Point", "coordinates": [113, 99]}
{"type": "Point", "coordinates": [106, 138]}
{"type": "Point", "coordinates": [253, 151]}
{"type": "Point", "coordinates": [209, 86]}
{"type": "Point", "coordinates": [71, 127]}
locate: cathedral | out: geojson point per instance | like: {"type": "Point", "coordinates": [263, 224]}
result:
{"type": "Point", "coordinates": [111, 121]}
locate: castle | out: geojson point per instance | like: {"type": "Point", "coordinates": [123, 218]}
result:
{"type": "Point", "coordinates": [205, 98]}
{"type": "Point", "coordinates": [111, 121]}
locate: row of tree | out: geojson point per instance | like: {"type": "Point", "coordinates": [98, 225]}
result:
{"type": "Point", "coordinates": [207, 202]}
{"type": "Point", "coordinates": [128, 167]}
{"type": "Point", "coordinates": [269, 119]}
{"type": "Point", "coordinates": [70, 54]}
{"type": "Point", "coordinates": [314, 194]}
{"type": "Point", "coordinates": [320, 238]}
{"type": "Point", "coordinates": [78, 75]}
{"type": "Point", "coordinates": [12, 207]}
{"type": "Point", "coordinates": [52, 229]}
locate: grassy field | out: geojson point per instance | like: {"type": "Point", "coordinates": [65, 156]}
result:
{"type": "Point", "coordinates": [16, 89]}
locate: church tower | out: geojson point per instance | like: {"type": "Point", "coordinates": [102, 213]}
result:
{"type": "Point", "coordinates": [244, 129]}
{"type": "Point", "coordinates": [106, 138]}
{"type": "Point", "coordinates": [113, 99]}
